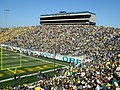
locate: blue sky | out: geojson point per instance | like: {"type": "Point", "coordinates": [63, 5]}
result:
{"type": "Point", "coordinates": [27, 12]}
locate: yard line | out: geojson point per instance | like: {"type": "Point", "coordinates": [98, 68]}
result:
{"type": "Point", "coordinates": [43, 60]}
{"type": "Point", "coordinates": [30, 75]}
{"type": "Point", "coordinates": [35, 73]}
{"type": "Point", "coordinates": [25, 60]}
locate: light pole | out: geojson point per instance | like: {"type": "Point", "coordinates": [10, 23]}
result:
{"type": "Point", "coordinates": [6, 12]}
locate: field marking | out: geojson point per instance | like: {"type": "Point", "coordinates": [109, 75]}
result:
{"type": "Point", "coordinates": [39, 60]}
{"type": "Point", "coordinates": [6, 54]}
{"type": "Point", "coordinates": [30, 75]}
{"type": "Point", "coordinates": [43, 60]}
{"type": "Point", "coordinates": [14, 57]}
{"type": "Point", "coordinates": [35, 73]}
{"type": "Point", "coordinates": [25, 60]}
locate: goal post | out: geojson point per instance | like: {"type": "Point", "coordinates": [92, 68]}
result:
{"type": "Point", "coordinates": [10, 60]}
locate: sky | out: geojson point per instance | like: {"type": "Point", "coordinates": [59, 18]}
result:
{"type": "Point", "coordinates": [27, 12]}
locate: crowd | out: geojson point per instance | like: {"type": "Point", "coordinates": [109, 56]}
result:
{"type": "Point", "coordinates": [101, 44]}
{"type": "Point", "coordinates": [94, 41]}
{"type": "Point", "coordinates": [10, 33]}
{"type": "Point", "coordinates": [66, 39]}
{"type": "Point", "coordinates": [100, 75]}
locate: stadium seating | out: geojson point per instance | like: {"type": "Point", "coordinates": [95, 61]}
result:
{"type": "Point", "coordinates": [97, 42]}
{"type": "Point", "coordinates": [10, 33]}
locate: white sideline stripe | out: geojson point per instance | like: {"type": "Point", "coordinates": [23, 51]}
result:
{"type": "Point", "coordinates": [29, 75]}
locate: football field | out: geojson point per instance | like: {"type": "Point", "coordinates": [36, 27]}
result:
{"type": "Point", "coordinates": [26, 66]}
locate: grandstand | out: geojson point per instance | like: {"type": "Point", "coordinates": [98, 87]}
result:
{"type": "Point", "coordinates": [98, 43]}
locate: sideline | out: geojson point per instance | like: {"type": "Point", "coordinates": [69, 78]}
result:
{"type": "Point", "coordinates": [34, 73]}
{"type": "Point", "coordinates": [42, 60]}
{"type": "Point", "coordinates": [29, 75]}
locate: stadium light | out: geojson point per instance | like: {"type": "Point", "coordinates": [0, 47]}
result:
{"type": "Point", "coordinates": [6, 12]}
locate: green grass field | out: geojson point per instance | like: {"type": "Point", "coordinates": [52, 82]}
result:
{"type": "Point", "coordinates": [29, 67]}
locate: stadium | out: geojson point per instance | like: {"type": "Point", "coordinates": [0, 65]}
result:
{"type": "Point", "coordinates": [67, 51]}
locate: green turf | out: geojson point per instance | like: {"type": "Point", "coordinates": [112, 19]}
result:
{"type": "Point", "coordinates": [26, 80]}
{"type": "Point", "coordinates": [30, 65]}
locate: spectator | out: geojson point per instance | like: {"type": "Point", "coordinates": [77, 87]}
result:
{"type": "Point", "coordinates": [101, 44]}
